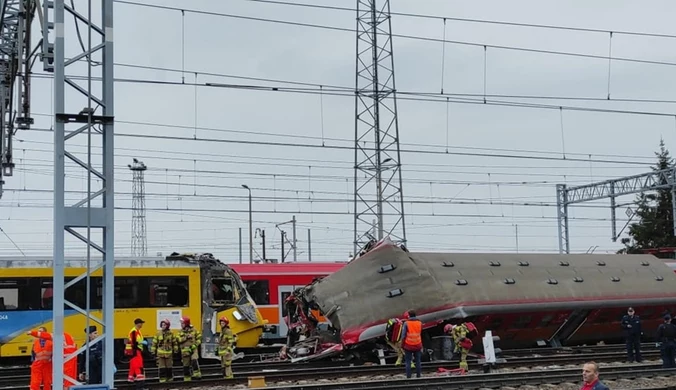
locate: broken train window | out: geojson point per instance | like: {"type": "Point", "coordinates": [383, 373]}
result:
{"type": "Point", "coordinates": [223, 290]}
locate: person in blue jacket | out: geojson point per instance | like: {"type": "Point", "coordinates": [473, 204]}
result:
{"type": "Point", "coordinates": [631, 324]}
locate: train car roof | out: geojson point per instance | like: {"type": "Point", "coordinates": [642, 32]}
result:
{"type": "Point", "coordinates": [172, 261]}
{"type": "Point", "coordinates": [388, 281]}
{"type": "Point", "coordinates": [294, 268]}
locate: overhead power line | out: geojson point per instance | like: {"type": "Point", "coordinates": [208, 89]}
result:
{"type": "Point", "coordinates": [425, 97]}
{"type": "Point", "coordinates": [345, 147]}
{"type": "Point", "coordinates": [481, 21]}
{"type": "Point", "coordinates": [316, 212]}
{"type": "Point", "coordinates": [413, 37]}
{"type": "Point", "coordinates": [444, 98]}
{"type": "Point", "coordinates": [328, 88]}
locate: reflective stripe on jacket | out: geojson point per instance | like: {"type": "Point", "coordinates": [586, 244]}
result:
{"type": "Point", "coordinates": [134, 342]}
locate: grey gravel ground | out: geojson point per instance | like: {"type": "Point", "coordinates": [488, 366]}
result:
{"type": "Point", "coordinates": [615, 385]}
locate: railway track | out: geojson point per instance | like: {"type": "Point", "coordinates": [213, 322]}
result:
{"type": "Point", "coordinates": [390, 378]}
{"type": "Point", "coordinates": [283, 371]}
{"type": "Point", "coordinates": [24, 369]}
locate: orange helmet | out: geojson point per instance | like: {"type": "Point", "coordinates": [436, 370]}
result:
{"type": "Point", "coordinates": [224, 319]}
{"type": "Point", "coordinates": [185, 321]}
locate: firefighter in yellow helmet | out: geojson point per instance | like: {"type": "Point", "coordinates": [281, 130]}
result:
{"type": "Point", "coordinates": [226, 347]}
{"type": "Point", "coordinates": [165, 344]}
{"type": "Point", "coordinates": [189, 341]}
{"type": "Point", "coordinates": [462, 343]}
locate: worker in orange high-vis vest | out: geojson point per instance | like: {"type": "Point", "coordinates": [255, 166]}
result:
{"type": "Point", "coordinates": [41, 368]}
{"type": "Point", "coordinates": [134, 350]}
{"type": "Point", "coordinates": [412, 344]}
{"type": "Point", "coordinates": [69, 347]}
{"type": "Point", "coordinates": [69, 367]}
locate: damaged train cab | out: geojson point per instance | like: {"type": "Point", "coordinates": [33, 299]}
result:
{"type": "Point", "coordinates": [523, 298]}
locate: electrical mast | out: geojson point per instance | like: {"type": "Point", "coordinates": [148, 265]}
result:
{"type": "Point", "coordinates": [77, 46]}
{"type": "Point", "coordinates": [16, 58]}
{"type": "Point", "coordinates": [378, 196]}
{"type": "Point", "coordinates": [138, 207]}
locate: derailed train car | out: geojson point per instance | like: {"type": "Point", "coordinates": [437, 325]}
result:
{"type": "Point", "coordinates": [524, 298]}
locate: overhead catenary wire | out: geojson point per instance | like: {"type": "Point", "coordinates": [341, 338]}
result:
{"type": "Point", "coordinates": [413, 37]}
{"type": "Point", "coordinates": [428, 97]}
{"type": "Point", "coordinates": [347, 147]}
{"type": "Point", "coordinates": [470, 20]}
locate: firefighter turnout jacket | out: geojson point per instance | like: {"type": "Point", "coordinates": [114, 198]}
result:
{"type": "Point", "coordinates": [165, 344]}
{"type": "Point", "coordinates": [189, 339]}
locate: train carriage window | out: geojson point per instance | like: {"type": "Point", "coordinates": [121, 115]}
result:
{"type": "Point", "coordinates": [9, 293]}
{"type": "Point", "coordinates": [545, 320]}
{"type": "Point", "coordinates": [522, 322]}
{"type": "Point", "coordinates": [223, 290]}
{"type": "Point", "coordinates": [126, 293]}
{"type": "Point", "coordinates": [284, 296]}
{"type": "Point", "coordinates": [75, 294]}
{"type": "Point", "coordinates": [168, 292]}
{"type": "Point", "coordinates": [46, 294]}
{"type": "Point", "coordinates": [259, 291]}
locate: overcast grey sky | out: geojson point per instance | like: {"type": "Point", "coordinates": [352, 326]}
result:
{"type": "Point", "coordinates": [186, 176]}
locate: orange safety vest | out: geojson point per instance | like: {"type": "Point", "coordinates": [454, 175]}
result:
{"type": "Point", "coordinates": [413, 340]}
{"type": "Point", "coordinates": [129, 348]}
{"type": "Point", "coordinates": [43, 353]}
{"type": "Point", "coordinates": [69, 346]}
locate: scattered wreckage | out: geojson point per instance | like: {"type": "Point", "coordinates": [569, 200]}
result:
{"type": "Point", "coordinates": [344, 315]}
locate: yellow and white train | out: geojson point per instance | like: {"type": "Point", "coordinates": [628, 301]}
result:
{"type": "Point", "coordinates": [198, 286]}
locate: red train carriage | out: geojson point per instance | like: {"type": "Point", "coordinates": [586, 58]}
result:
{"type": "Point", "coordinates": [560, 299]}
{"type": "Point", "coordinates": [270, 284]}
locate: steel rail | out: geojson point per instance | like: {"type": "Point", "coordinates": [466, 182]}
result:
{"type": "Point", "coordinates": [288, 372]}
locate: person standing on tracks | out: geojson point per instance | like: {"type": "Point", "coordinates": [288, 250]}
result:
{"type": "Point", "coordinates": [590, 377]}
{"type": "Point", "coordinates": [666, 342]}
{"type": "Point", "coordinates": [226, 347]}
{"type": "Point", "coordinates": [393, 337]}
{"type": "Point", "coordinates": [165, 344]}
{"type": "Point", "coordinates": [411, 335]}
{"type": "Point", "coordinates": [94, 374]}
{"type": "Point", "coordinates": [134, 349]}
{"type": "Point", "coordinates": [189, 340]}
{"type": "Point", "coordinates": [462, 343]}
{"type": "Point", "coordinates": [69, 347]}
{"type": "Point", "coordinates": [41, 356]}
{"type": "Point", "coordinates": [631, 324]}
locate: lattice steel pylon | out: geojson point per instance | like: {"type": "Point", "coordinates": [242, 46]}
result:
{"type": "Point", "coordinates": [16, 19]}
{"type": "Point", "coordinates": [378, 193]}
{"type": "Point", "coordinates": [613, 188]}
{"type": "Point", "coordinates": [138, 210]}
{"type": "Point", "coordinates": [81, 57]}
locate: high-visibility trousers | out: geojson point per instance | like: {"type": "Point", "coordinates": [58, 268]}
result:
{"type": "Point", "coordinates": [41, 374]}
{"type": "Point", "coordinates": [136, 372]}
{"type": "Point", "coordinates": [70, 369]}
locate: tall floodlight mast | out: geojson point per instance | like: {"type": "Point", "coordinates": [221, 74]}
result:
{"type": "Point", "coordinates": [378, 196]}
{"type": "Point", "coordinates": [139, 245]}
{"type": "Point", "coordinates": [80, 53]}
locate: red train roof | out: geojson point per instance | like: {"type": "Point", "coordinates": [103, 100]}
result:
{"type": "Point", "coordinates": [297, 268]}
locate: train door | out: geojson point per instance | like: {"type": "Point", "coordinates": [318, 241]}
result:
{"type": "Point", "coordinates": [284, 292]}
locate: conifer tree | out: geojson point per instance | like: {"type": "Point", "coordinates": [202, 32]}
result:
{"type": "Point", "coordinates": [654, 228]}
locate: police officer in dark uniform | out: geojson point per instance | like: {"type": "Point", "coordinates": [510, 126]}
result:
{"type": "Point", "coordinates": [632, 331]}
{"type": "Point", "coordinates": [666, 341]}
{"type": "Point", "coordinates": [95, 374]}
